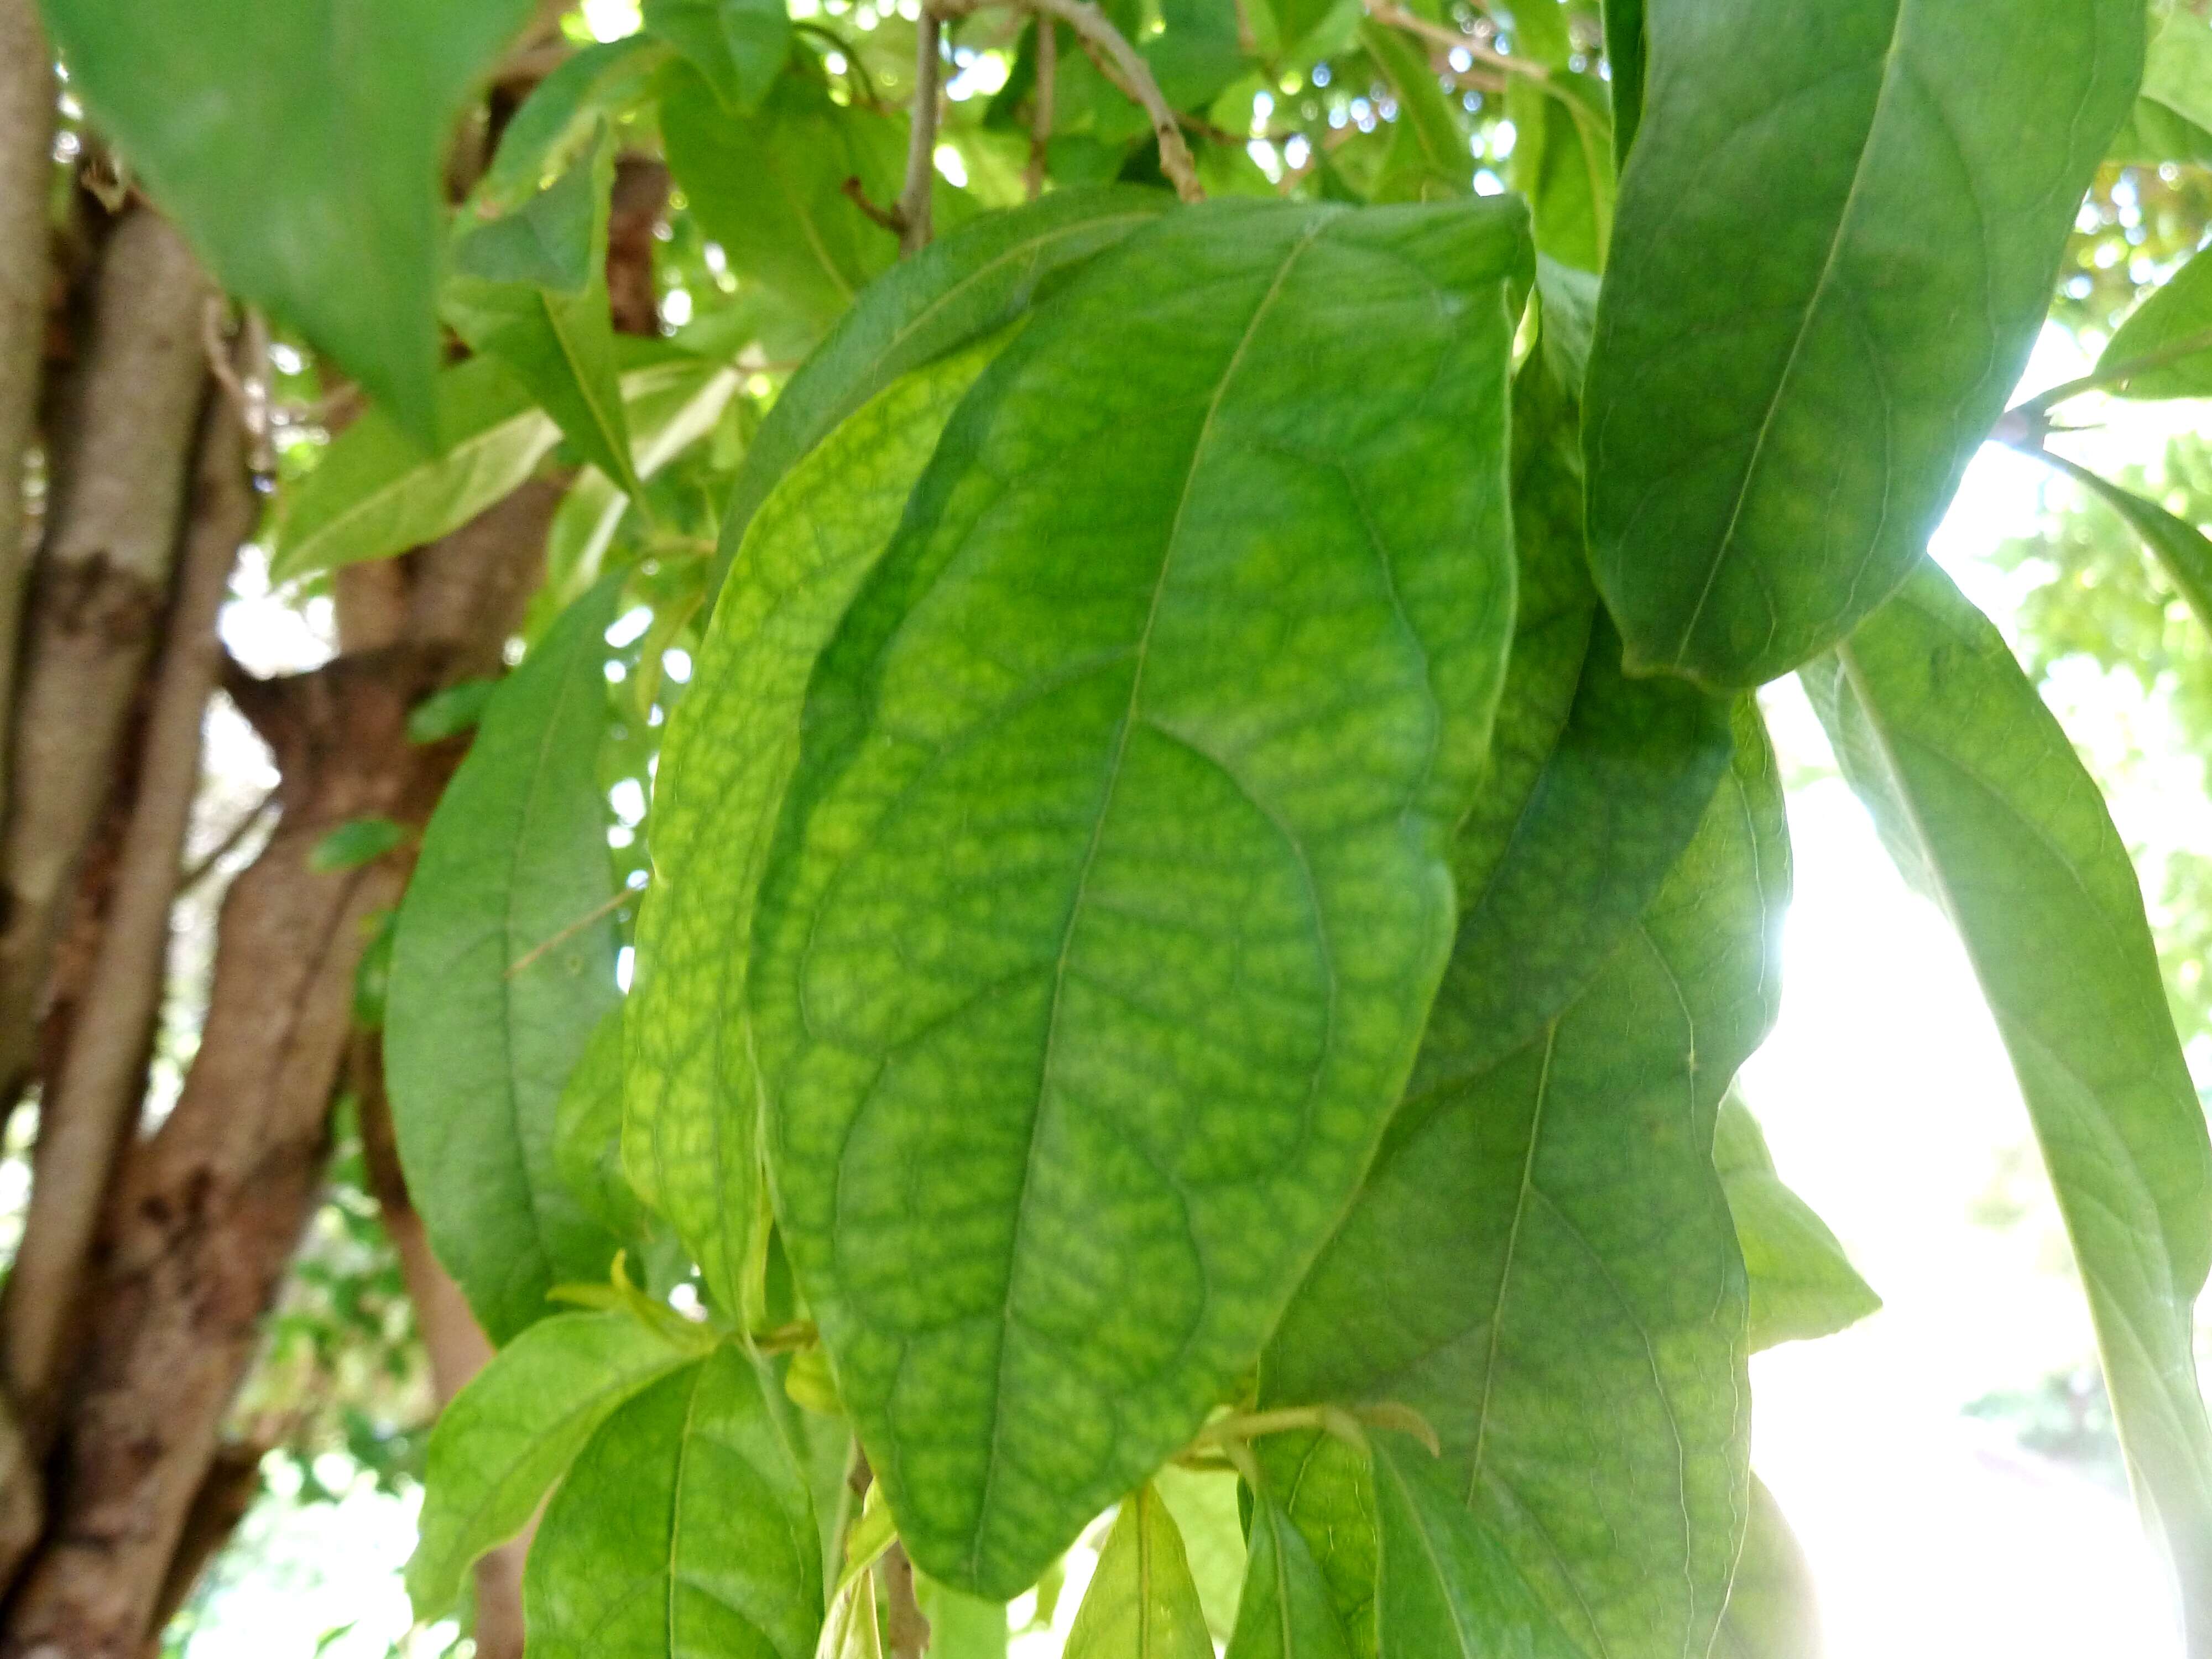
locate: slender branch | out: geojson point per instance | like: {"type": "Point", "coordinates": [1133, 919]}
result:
{"type": "Point", "coordinates": [913, 210]}
{"type": "Point", "coordinates": [2172, 352]}
{"type": "Point", "coordinates": [1040, 112]}
{"type": "Point", "coordinates": [904, 1623]}
{"type": "Point", "coordinates": [887, 218]}
{"type": "Point", "coordinates": [1387, 11]}
{"type": "Point", "coordinates": [596, 913]}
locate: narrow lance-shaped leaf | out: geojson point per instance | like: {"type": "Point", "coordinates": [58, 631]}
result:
{"type": "Point", "coordinates": [2176, 319]}
{"type": "Point", "coordinates": [2182, 551]}
{"type": "Point", "coordinates": [1122, 821]}
{"type": "Point", "coordinates": [1203, 1503]}
{"type": "Point", "coordinates": [1541, 1261]}
{"type": "Point", "coordinates": [691, 1139]}
{"type": "Point", "coordinates": [1802, 350]}
{"type": "Point", "coordinates": [1985, 806]}
{"type": "Point", "coordinates": [587, 1133]}
{"type": "Point", "coordinates": [1772, 1613]}
{"type": "Point", "coordinates": [503, 964]}
{"type": "Point", "coordinates": [1286, 1612]}
{"type": "Point", "coordinates": [1802, 1285]}
{"type": "Point", "coordinates": [685, 1530]}
{"type": "Point", "coordinates": [511, 1432]}
{"type": "Point", "coordinates": [1141, 1603]}
{"type": "Point", "coordinates": [299, 146]}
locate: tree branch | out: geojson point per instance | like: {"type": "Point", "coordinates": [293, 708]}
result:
{"type": "Point", "coordinates": [26, 127]}
{"type": "Point", "coordinates": [913, 210]}
{"type": "Point", "coordinates": [1387, 11]}
{"type": "Point", "coordinates": [1041, 112]}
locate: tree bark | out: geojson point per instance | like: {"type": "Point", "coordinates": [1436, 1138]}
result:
{"type": "Point", "coordinates": [27, 135]}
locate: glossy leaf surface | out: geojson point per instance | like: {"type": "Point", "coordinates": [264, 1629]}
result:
{"type": "Point", "coordinates": [1836, 242]}
{"type": "Point", "coordinates": [1122, 820]}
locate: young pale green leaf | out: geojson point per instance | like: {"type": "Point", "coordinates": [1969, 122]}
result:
{"type": "Point", "coordinates": [961, 1626]}
{"type": "Point", "coordinates": [1803, 348]}
{"type": "Point", "coordinates": [1445, 1588]}
{"type": "Point", "coordinates": [2173, 326]}
{"type": "Point", "coordinates": [2172, 119]}
{"type": "Point", "coordinates": [1545, 1245]}
{"type": "Point", "coordinates": [960, 288]}
{"type": "Point", "coordinates": [852, 1630]}
{"type": "Point", "coordinates": [1563, 162]}
{"type": "Point", "coordinates": [2182, 551]}
{"type": "Point", "coordinates": [685, 1530]}
{"type": "Point", "coordinates": [502, 966]}
{"type": "Point", "coordinates": [1987, 808]}
{"type": "Point", "coordinates": [1204, 1506]}
{"type": "Point", "coordinates": [1113, 881]}
{"type": "Point", "coordinates": [513, 1431]}
{"type": "Point", "coordinates": [1286, 1612]}
{"type": "Point", "coordinates": [299, 147]}
{"type": "Point", "coordinates": [1771, 1613]}
{"type": "Point", "coordinates": [1141, 1603]}
{"type": "Point", "coordinates": [563, 113]}
{"type": "Point", "coordinates": [1802, 1285]}
{"type": "Point", "coordinates": [691, 1137]}
{"type": "Point", "coordinates": [739, 46]}
{"type": "Point", "coordinates": [587, 1133]}
{"type": "Point", "coordinates": [1326, 1487]}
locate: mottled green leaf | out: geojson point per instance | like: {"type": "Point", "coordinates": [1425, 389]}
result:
{"type": "Point", "coordinates": [1835, 246]}
{"type": "Point", "coordinates": [2182, 551]}
{"type": "Point", "coordinates": [1444, 1588]}
{"type": "Point", "coordinates": [684, 1531]}
{"type": "Point", "coordinates": [1286, 1612]}
{"type": "Point", "coordinates": [587, 1133]}
{"type": "Point", "coordinates": [1771, 1611]}
{"type": "Point", "coordinates": [739, 46]}
{"type": "Point", "coordinates": [1121, 821]}
{"type": "Point", "coordinates": [299, 147]}
{"type": "Point", "coordinates": [512, 1431]}
{"type": "Point", "coordinates": [1802, 1285]}
{"type": "Point", "coordinates": [691, 1137]}
{"type": "Point", "coordinates": [960, 288]}
{"type": "Point", "coordinates": [1141, 1603]}
{"type": "Point", "coordinates": [556, 122]}
{"type": "Point", "coordinates": [1985, 806]}
{"type": "Point", "coordinates": [503, 963]}
{"type": "Point", "coordinates": [1204, 1505]}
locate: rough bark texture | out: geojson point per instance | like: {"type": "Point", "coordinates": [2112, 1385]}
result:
{"type": "Point", "coordinates": [26, 132]}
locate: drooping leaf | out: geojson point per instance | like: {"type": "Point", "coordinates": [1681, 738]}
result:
{"type": "Point", "coordinates": [2177, 318]}
{"type": "Point", "coordinates": [685, 1530]}
{"type": "Point", "coordinates": [960, 288]}
{"type": "Point", "coordinates": [1563, 162]}
{"type": "Point", "coordinates": [587, 1133]}
{"type": "Point", "coordinates": [556, 122]}
{"type": "Point", "coordinates": [1771, 1613]}
{"type": "Point", "coordinates": [503, 965]}
{"type": "Point", "coordinates": [1805, 348]}
{"type": "Point", "coordinates": [1204, 1505]}
{"type": "Point", "coordinates": [1327, 1491]}
{"type": "Point", "coordinates": [1802, 1285]}
{"type": "Point", "coordinates": [512, 1431]}
{"type": "Point", "coordinates": [1121, 818]}
{"type": "Point", "coordinates": [1141, 1603]}
{"type": "Point", "coordinates": [691, 1139]}
{"type": "Point", "coordinates": [1985, 807]}
{"type": "Point", "coordinates": [737, 45]}
{"type": "Point", "coordinates": [1625, 50]}
{"type": "Point", "coordinates": [1444, 1588]}
{"type": "Point", "coordinates": [1581, 1351]}
{"type": "Point", "coordinates": [243, 118]}
{"type": "Point", "coordinates": [1286, 1612]}
{"type": "Point", "coordinates": [2182, 551]}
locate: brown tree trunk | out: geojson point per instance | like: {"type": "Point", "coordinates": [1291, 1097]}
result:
{"type": "Point", "coordinates": [26, 132]}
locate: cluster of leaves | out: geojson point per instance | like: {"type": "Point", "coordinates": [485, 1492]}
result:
{"type": "Point", "coordinates": [1214, 860]}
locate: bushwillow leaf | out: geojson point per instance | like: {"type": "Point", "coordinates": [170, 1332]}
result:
{"type": "Point", "coordinates": [2177, 312]}
{"type": "Point", "coordinates": [587, 1133]}
{"type": "Point", "coordinates": [1771, 1613]}
{"type": "Point", "coordinates": [503, 964]}
{"type": "Point", "coordinates": [737, 45]}
{"type": "Point", "coordinates": [1804, 348]}
{"type": "Point", "coordinates": [960, 288]}
{"type": "Point", "coordinates": [557, 122]}
{"type": "Point", "coordinates": [685, 1530]}
{"type": "Point", "coordinates": [299, 146]}
{"type": "Point", "coordinates": [1563, 162]}
{"type": "Point", "coordinates": [1985, 806]}
{"type": "Point", "coordinates": [1121, 822]}
{"type": "Point", "coordinates": [1444, 1588]}
{"type": "Point", "coordinates": [2182, 551]}
{"type": "Point", "coordinates": [512, 1431]}
{"type": "Point", "coordinates": [1802, 1285]}
{"type": "Point", "coordinates": [1541, 1261]}
{"type": "Point", "coordinates": [1206, 1513]}
{"type": "Point", "coordinates": [1141, 1603]}
{"type": "Point", "coordinates": [691, 1139]}
{"type": "Point", "coordinates": [1329, 1492]}
{"type": "Point", "coordinates": [1625, 50]}
{"type": "Point", "coordinates": [1286, 1612]}
{"type": "Point", "coordinates": [961, 1626]}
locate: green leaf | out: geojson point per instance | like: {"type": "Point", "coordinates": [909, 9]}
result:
{"type": "Point", "coordinates": [299, 147]}
{"type": "Point", "coordinates": [449, 712]}
{"type": "Point", "coordinates": [2177, 313]}
{"type": "Point", "coordinates": [1837, 241]}
{"type": "Point", "coordinates": [587, 1133]}
{"type": "Point", "coordinates": [1544, 1246]}
{"type": "Point", "coordinates": [512, 1431]}
{"type": "Point", "coordinates": [1204, 1505]}
{"type": "Point", "coordinates": [502, 966]}
{"type": "Point", "coordinates": [853, 1630]}
{"type": "Point", "coordinates": [962, 286]}
{"type": "Point", "coordinates": [2182, 551]}
{"type": "Point", "coordinates": [739, 46]}
{"type": "Point", "coordinates": [1197, 51]}
{"type": "Point", "coordinates": [961, 1626]}
{"type": "Point", "coordinates": [1985, 806]}
{"type": "Point", "coordinates": [558, 121]}
{"type": "Point", "coordinates": [1327, 1491]}
{"type": "Point", "coordinates": [2177, 88]}
{"type": "Point", "coordinates": [1286, 1611]}
{"type": "Point", "coordinates": [1771, 1611]}
{"type": "Point", "coordinates": [1444, 1588]}
{"type": "Point", "coordinates": [530, 289]}
{"type": "Point", "coordinates": [685, 1529]}
{"type": "Point", "coordinates": [1626, 50]}
{"type": "Point", "coordinates": [1802, 1285]}
{"type": "Point", "coordinates": [1563, 162]}
{"type": "Point", "coordinates": [1429, 159]}
{"type": "Point", "coordinates": [691, 1139]}
{"type": "Point", "coordinates": [353, 843]}
{"type": "Point", "coordinates": [375, 492]}
{"type": "Point", "coordinates": [1141, 1603]}
{"type": "Point", "coordinates": [1176, 676]}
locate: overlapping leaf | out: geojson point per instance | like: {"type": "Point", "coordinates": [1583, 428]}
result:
{"type": "Point", "coordinates": [1286, 1611]}
{"type": "Point", "coordinates": [1836, 242]}
{"type": "Point", "coordinates": [1121, 822]}
{"type": "Point", "coordinates": [1771, 1611]}
{"type": "Point", "coordinates": [1802, 1285]}
{"type": "Point", "coordinates": [2171, 330]}
{"type": "Point", "coordinates": [2182, 551]}
{"type": "Point", "coordinates": [1141, 1603]}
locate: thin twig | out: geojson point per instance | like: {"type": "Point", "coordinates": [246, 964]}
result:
{"type": "Point", "coordinates": [1041, 114]}
{"type": "Point", "coordinates": [1387, 11]}
{"type": "Point", "coordinates": [2172, 352]}
{"type": "Point", "coordinates": [913, 210]}
{"type": "Point", "coordinates": [199, 873]}
{"type": "Point", "coordinates": [887, 218]}
{"type": "Point", "coordinates": [596, 913]}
